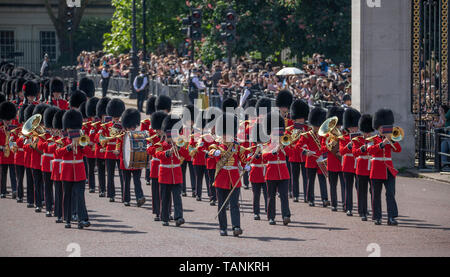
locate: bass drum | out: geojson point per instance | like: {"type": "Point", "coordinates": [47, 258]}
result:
{"type": "Point", "coordinates": [135, 150]}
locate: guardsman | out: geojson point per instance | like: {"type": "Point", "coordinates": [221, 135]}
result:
{"type": "Point", "coordinates": [85, 131]}
{"type": "Point", "coordinates": [299, 113]}
{"type": "Point", "coordinates": [153, 147]}
{"type": "Point", "coordinates": [19, 154]}
{"type": "Point", "coordinates": [351, 119]}
{"type": "Point", "coordinates": [56, 87]}
{"type": "Point", "coordinates": [130, 119]}
{"type": "Point", "coordinates": [16, 87]}
{"type": "Point", "coordinates": [28, 112]}
{"type": "Point", "coordinates": [77, 97]}
{"type": "Point", "coordinates": [47, 157]}
{"type": "Point", "coordinates": [359, 151]}
{"type": "Point", "coordinates": [211, 161]}
{"type": "Point", "coordinates": [334, 162]}
{"type": "Point", "coordinates": [101, 129]}
{"type": "Point", "coordinates": [73, 174]}
{"type": "Point", "coordinates": [8, 112]}
{"type": "Point", "coordinates": [198, 153]}
{"type": "Point", "coordinates": [30, 91]}
{"type": "Point", "coordinates": [146, 126]}
{"type": "Point", "coordinates": [188, 129]}
{"type": "Point", "coordinates": [90, 129]}
{"type": "Point", "coordinates": [227, 180]}
{"type": "Point", "coordinates": [314, 152]}
{"type": "Point", "coordinates": [87, 86]}
{"type": "Point", "coordinates": [170, 177]}
{"type": "Point", "coordinates": [114, 109]}
{"type": "Point", "coordinates": [382, 169]}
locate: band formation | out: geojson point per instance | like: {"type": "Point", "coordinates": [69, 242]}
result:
{"type": "Point", "coordinates": [59, 144]}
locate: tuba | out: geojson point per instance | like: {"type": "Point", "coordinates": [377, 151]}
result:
{"type": "Point", "coordinates": [334, 135]}
{"type": "Point", "coordinates": [32, 127]}
{"type": "Point", "coordinates": [84, 141]}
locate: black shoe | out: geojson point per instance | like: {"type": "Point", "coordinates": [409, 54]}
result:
{"type": "Point", "coordinates": [246, 187]}
{"type": "Point", "coordinates": [80, 226]}
{"type": "Point", "coordinates": [256, 217]}
{"type": "Point", "coordinates": [48, 214]}
{"type": "Point", "coordinates": [84, 223]}
{"type": "Point", "coordinates": [112, 199]}
{"type": "Point", "coordinates": [165, 223]}
{"type": "Point", "coordinates": [157, 218]}
{"type": "Point", "coordinates": [148, 183]}
{"type": "Point", "coordinates": [392, 222]}
{"type": "Point", "coordinates": [14, 195]}
{"type": "Point", "coordinates": [30, 206]}
{"type": "Point", "coordinates": [325, 203]}
{"type": "Point", "coordinates": [68, 226]}
{"type": "Point", "coordinates": [286, 220]}
{"type": "Point", "coordinates": [212, 203]}
{"type": "Point", "coordinates": [198, 199]}
{"type": "Point", "coordinates": [363, 218]}
{"type": "Point", "coordinates": [37, 210]}
{"type": "Point", "coordinates": [237, 231]}
{"type": "Point", "coordinates": [19, 200]}
{"type": "Point", "coordinates": [101, 194]}
{"type": "Point", "coordinates": [2, 195]}
{"type": "Point", "coordinates": [59, 220]}
{"type": "Point", "coordinates": [170, 218]}
{"type": "Point", "coordinates": [223, 233]}
{"type": "Point", "coordinates": [141, 202]}
{"type": "Point", "coordinates": [334, 209]}
{"type": "Point", "coordinates": [194, 194]}
{"type": "Point", "coordinates": [305, 201]}
{"type": "Point", "coordinates": [296, 199]}
{"type": "Point", "coordinates": [311, 204]}
{"type": "Point", "coordinates": [179, 222]}
{"type": "Point", "coordinates": [91, 190]}
{"type": "Point", "coordinates": [349, 213]}
{"type": "Point", "coordinates": [184, 194]}
{"type": "Point", "coordinates": [291, 195]}
{"type": "Point", "coordinates": [378, 222]}
{"type": "Point", "coordinates": [272, 222]}
{"type": "Point", "coordinates": [126, 204]}
{"type": "Point", "coordinates": [74, 218]}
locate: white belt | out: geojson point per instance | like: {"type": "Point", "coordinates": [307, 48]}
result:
{"type": "Point", "coordinates": [227, 167]}
{"type": "Point", "coordinates": [155, 159]}
{"type": "Point", "coordinates": [169, 165]}
{"type": "Point", "coordinates": [257, 165]}
{"type": "Point", "coordinates": [111, 143]}
{"type": "Point", "coordinates": [47, 155]}
{"type": "Point", "coordinates": [363, 157]}
{"type": "Point", "coordinates": [348, 155]}
{"type": "Point", "coordinates": [20, 149]}
{"type": "Point", "coordinates": [72, 161]}
{"type": "Point", "coordinates": [57, 160]}
{"type": "Point", "coordinates": [377, 159]}
{"type": "Point", "coordinates": [276, 162]}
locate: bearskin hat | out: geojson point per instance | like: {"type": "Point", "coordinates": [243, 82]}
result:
{"type": "Point", "coordinates": [28, 112]}
{"type": "Point", "coordinates": [101, 106]}
{"type": "Point", "coordinates": [263, 106]}
{"type": "Point", "coordinates": [47, 94]}
{"type": "Point", "coordinates": [267, 123]}
{"type": "Point", "coordinates": [91, 107]}
{"type": "Point", "coordinates": [8, 111]}
{"type": "Point", "coordinates": [157, 120]}
{"type": "Point", "coordinates": [150, 105]}
{"type": "Point", "coordinates": [284, 99]}
{"type": "Point", "coordinates": [76, 98]}
{"type": "Point", "coordinates": [365, 123]}
{"type": "Point", "coordinates": [87, 86]}
{"type": "Point", "coordinates": [317, 116]}
{"type": "Point", "coordinates": [338, 112]}
{"type": "Point", "coordinates": [299, 109]}
{"type": "Point", "coordinates": [40, 109]}
{"type": "Point", "coordinates": [48, 116]}
{"type": "Point", "coordinates": [22, 113]}
{"type": "Point", "coordinates": [169, 122]}
{"type": "Point", "coordinates": [72, 119]}
{"type": "Point", "coordinates": [227, 124]}
{"type": "Point", "coordinates": [382, 117]}
{"type": "Point", "coordinates": [18, 85]}
{"type": "Point", "coordinates": [82, 109]}
{"type": "Point", "coordinates": [163, 102]}
{"type": "Point", "coordinates": [351, 118]}
{"type": "Point", "coordinates": [131, 118]}
{"type": "Point", "coordinates": [30, 88]}
{"type": "Point", "coordinates": [56, 85]}
{"type": "Point", "coordinates": [57, 120]}
{"type": "Point", "coordinates": [115, 107]}
{"type": "Point", "coordinates": [229, 103]}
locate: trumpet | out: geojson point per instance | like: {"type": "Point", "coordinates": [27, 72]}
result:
{"type": "Point", "coordinates": [287, 140]}
{"type": "Point", "coordinates": [397, 135]}
{"type": "Point", "coordinates": [150, 139]}
{"type": "Point", "coordinates": [104, 140]}
{"type": "Point", "coordinates": [180, 142]}
{"type": "Point", "coordinates": [84, 141]}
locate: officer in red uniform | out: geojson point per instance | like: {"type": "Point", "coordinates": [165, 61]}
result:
{"type": "Point", "coordinates": [73, 174]}
{"type": "Point", "coordinates": [170, 177]}
{"type": "Point", "coordinates": [146, 126]}
{"type": "Point", "coordinates": [227, 176]}
{"type": "Point", "coordinates": [90, 149]}
{"type": "Point", "coordinates": [28, 112]}
{"type": "Point", "coordinates": [19, 154]}
{"type": "Point", "coordinates": [198, 153]}
{"type": "Point", "coordinates": [313, 152]}
{"type": "Point", "coordinates": [351, 119]}
{"type": "Point", "coordinates": [382, 169]}
{"type": "Point", "coordinates": [359, 151]}
{"type": "Point", "coordinates": [99, 149]}
{"type": "Point", "coordinates": [115, 108]}
{"type": "Point", "coordinates": [334, 162]}
{"type": "Point", "coordinates": [188, 123]}
{"type": "Point", "coordinates": [211, 160]}
{"type": "Point", "coordinates": [299, 113]}
{"type": "Point", "coordinates": [130, 121]}
{"type": "Point", "coordinates": [56, 87]}
{"type": "Point", "coordinates": [153, 147]}
{"type": "Point", "coordinates": [8, 112]}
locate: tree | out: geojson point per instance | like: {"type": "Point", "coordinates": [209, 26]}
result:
{"type": "Point", "coordinates": [60, 23]}
{"type": "Point", "coordinates": [89, 35]}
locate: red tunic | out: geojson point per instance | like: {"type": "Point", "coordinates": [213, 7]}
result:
{"type": "Point", "coordinates": [151, 150]}
{"type": "Point", "coordinates": [311, 145]}
{"type": "Point", "coordinates": [110, 145]}
{"type": "Point", "coordinates": [169, 167]}
{"type": "Point", "coordinates": [19, 156]}
{"type": "Point", "coordinates": [382, 159]}
{"type": "Point", "coordinates": [258, 170]}
{"type": "Point", "coordinates": [3, 142]}
{"type": "Point", "coordinates": [61, 103]}
{"type": "Point", "coordinates": [362, 157]}
{"type": "Point", "coordinates": [333, 163]}
{"type": "Point", "coordinates": [90, 149]}
{"type": "Point", "coordinates": [145, 125]}
{"type": "Point", "coordinates": [276, 165]}
{"type": "Point", "coordinates": [46, 156]}
{"type": "Point", "coordinates": [202, 149]}
{"type": "Point", "coordinates": [348, 161]}
{"type": "Point", "coordinates": [55, 164]}
{"type": "Point", "coordinates": [227, 177]}
{"type": "Point", "coordinates": [72, 165]}
{"type": "Point", "coordinates": [96, 132]}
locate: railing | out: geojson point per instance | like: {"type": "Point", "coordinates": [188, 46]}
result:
{"type": "Point", "coordinates": [429, 147]}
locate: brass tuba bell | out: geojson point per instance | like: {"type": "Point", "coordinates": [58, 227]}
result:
{"type": "Point", "coordinates": [84, 141]}
{"type": "Point", "coordinates": [31, 126]}
{"type": "Point", "coordinates": [398, 134]}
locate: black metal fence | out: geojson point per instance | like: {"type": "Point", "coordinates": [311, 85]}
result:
{"type": "Point", "coordinates": [434, 147]}
{"type": "Point", "coordinates": [26, 53]}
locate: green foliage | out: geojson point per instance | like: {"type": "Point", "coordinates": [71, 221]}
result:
{"type": "Point", "coordinates": [89, 35]}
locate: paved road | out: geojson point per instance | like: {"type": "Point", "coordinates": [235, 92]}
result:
{"type": "Point", "coordinates": [424, 229]}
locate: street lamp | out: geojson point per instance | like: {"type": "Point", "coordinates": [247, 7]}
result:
{"type": "Point", "coordinates": [134, 61]}
{"type": "Point", "coordinates": [144, 30]}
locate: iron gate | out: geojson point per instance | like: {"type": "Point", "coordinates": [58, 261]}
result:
{"type": "Point", "coordinates": [429, 84]}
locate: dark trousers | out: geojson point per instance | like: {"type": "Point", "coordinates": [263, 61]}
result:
{"type": "Point", "coordinates": [174, 191]}
{"type": "Point", "coordinates": [79, 188]}
{"type": "Point", "coordinates": [110, 168]}
{"type": "Point", "coordinates": [257, 188]}
{"type": "Point", "coordinates": [363, 183]}
{"type": "Point", "coordinates": [101, 175]}
{"type": "Point", "coordinates": [295, 170]}
{"type": "Point", "coordinates": [199, 174]}
{"type": "Point", "coordinates": [282, 187]}
{"type": "Point", "coordinates": [290, 182]}
{"type": "Point", "coordinates": [349, 180]}
{"type": "Point", "coordinates": [48, 188]}
{"type": "Point", "coordinates": [38, 185]}
{"type": "Point", "coordinates": [105, 84]}
{"type": "Point", "coordinates": [30, 186]}
{"type": "Point", "coordinates": [333, 180]}
{"type": "Point", "coordinates": [377, 186]}
{"type": "Point", "coordinates": [20, 172]}
{"type": "Point", "coordinates": [156, 197]}
{"type": "Point", "coordinates": [210, 182]}
{"type": "Point", "coordinates": [147, 170]}
{"type": "Point", "coordinates": [137, 184]}
{"type": "Point", "coordinates": [305, 180]}
{"type": "Point", "coordinates": [311, 173]}
{"type": "Point", "coordinates": [140, 99]}
{"type": "Point", "coordinates": [222, 194]}
{"type": "Point", "coordinates": [184, 166]}
{"type": "Point", "coordinates": [4, 177]}
{"type": "Point", "coordinates": [246, 179]}
{"type": "Point", "coordinates": [90, 172]}
{"type": "Point", "coordinates": [58, 199]}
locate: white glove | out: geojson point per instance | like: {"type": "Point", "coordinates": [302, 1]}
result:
{"type": "Point", "coordinates": [217, 153]}
{"type": "Point", "coordinates": [247, 168]}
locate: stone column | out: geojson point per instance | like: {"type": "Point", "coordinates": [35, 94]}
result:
{"type": "Point", "coordinates": [381, 65]}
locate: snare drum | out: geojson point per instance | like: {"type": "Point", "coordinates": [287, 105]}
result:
{"type": "Point", "coordinates": [135, 149]}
